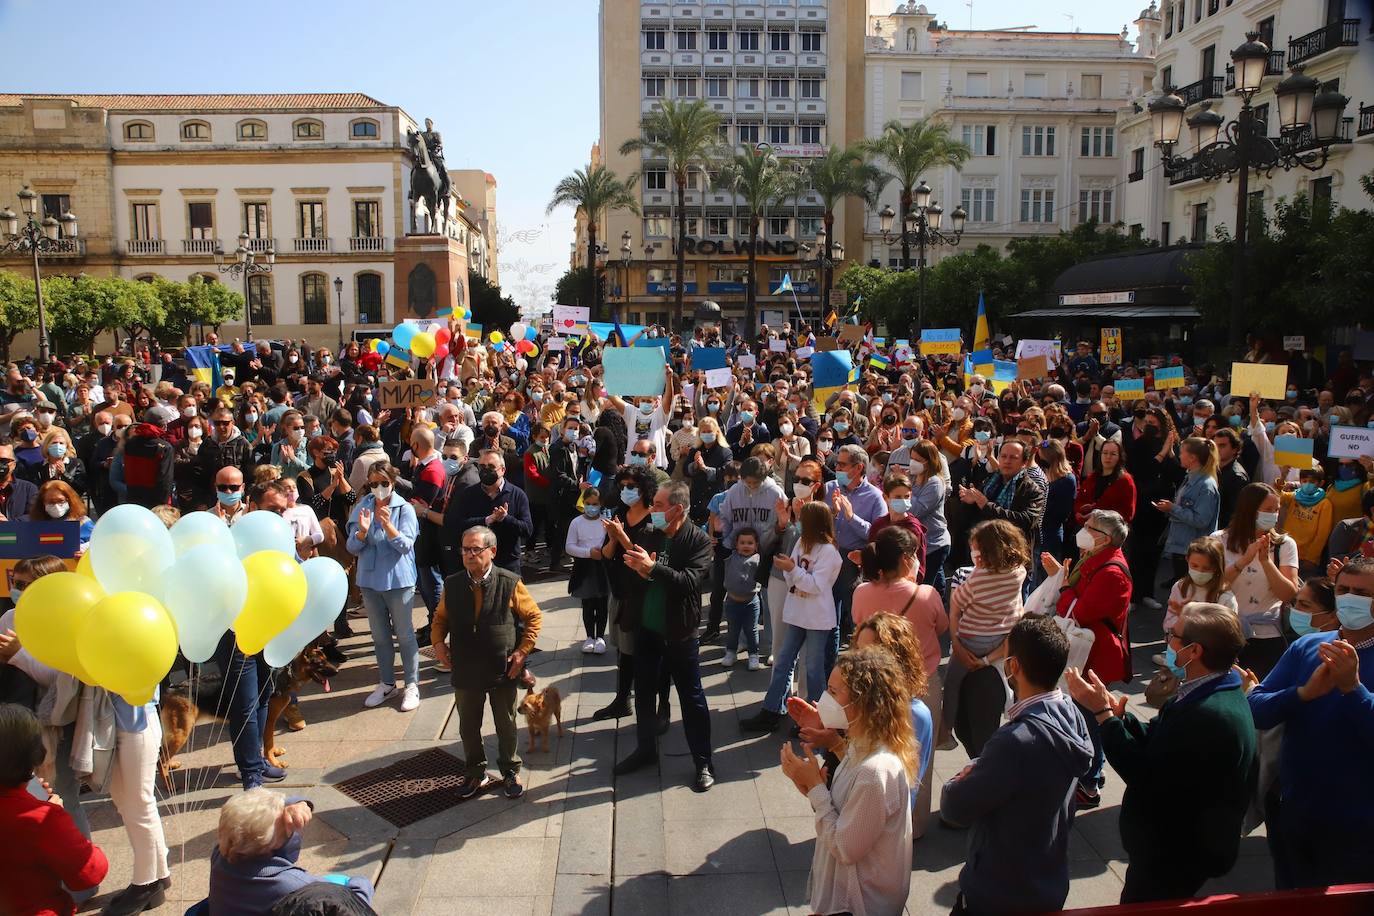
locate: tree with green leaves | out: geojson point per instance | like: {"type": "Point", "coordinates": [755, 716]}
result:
{"type": "Point", "coordinates": [835, 176]}
{"type": "Point", "coordinates": [910, 150]}
{"type": "Point", "coordinates": [761, 181]}
{"type": "Point", "coordinates": [492, 309]}
{"type": "Point", "coordinates": [686, 135]}
{"type": "Point", "coordinates": [594, 191]}
{"type": "Point", "coordinates": [573, 287]}
{"type": "Point", "coordinates": [197, 302]}
{"type": "Point", "coordinates": [18, 309]}
{"type": "Point", "coordinates": [79, 308]}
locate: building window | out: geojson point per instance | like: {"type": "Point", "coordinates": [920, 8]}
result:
{"type": "Point", "coordinates": [1035, 86]}
{"type": "Point", "coordinates": [308, 130]}
{"type": "Point", "coordinates": [1321, 195]}
{"type": "Point", "coordinates": [718, 226]}
{"type": "Point", "coordinates": [1097, 141]}
{"type": "Point", "coordinates": [1037, 205]}
{"type": "Point", "coordinates": [810, 41]}
{"type": "Point", "coordinates": [685, 87]}
{"type": "Point", "coordinates": [260, 299]}
{"type": "Point", "coordinates": [694, 226]}
{"type": "Point", "coordinates": [779, 88]}
{"type": "Point", "coordinates": [809, 134]}
{"type": "Point", "coordinates": [748, 41]}
{"type": "Point", "coordinates": [809, 88]}
{"type": "Point", "coordinates": [252, 130]}
{"type": "Point", "coordinates": [717, 87]}
{"type": "Point", "coordinates": [686, 41]}
{"type": "Point", "coordinates": [310, 219]}
{"type": "Point", "coordinates": [717, 40]}
{"type": "Point", "coordinates": [779, 133]}
{"type": "Point", "coordinates": [314, 299]}
{"type": "Point", "coordinates": [55, 205]}
{"type": "Point", "coordinates": [138, 131]}
{"type": "Point", "coordinates": [255, 220]}
{"type": "Point", "coordinates": [1095, 205]}
{"type": "Point", "coordinates": [1164, 233]}
{"type": "Point", "coordinates": [654, 86]}
{"type": "Point", "coordinates": [1265, 27]}
{"type": "Point", "coordinates": [747, 87]}
{"type": "Point", "coordinates": [1037, 140]}
{"type": "Point", "coordinates": [912, 88]}
{"type": "Point", "coordinates": [1166, 78]}
{"type": "Point", "coordinates": [979, 203]}
{"type": "Point", "coordinates": [1199, 222]}
{"type": "Point", "coordinates": [1091, 86]}
{"type": "Point", "coordinates": [195, 130]}
{"type": "Point", "coordinates": [367, 219]}
{"type": "Point", "coordinates": [370, 299]}
{"type": "Point", "coordinates": [653, 40]}
{"type": "Point", "coordinates": [976, 84]}
{"type": "Point", "coordinates": [981, 138]}
{"type": "Point", "coordinates": [144, 227]}
{"type": "Point", "coordinates": [723, 132]}
{"type": "Point", "coordinates": [1137, 164]}
{"type": "Point", "coordinates": [748, 134]}
{"type": "Point", "coordinates": [363, 130]}
{"type": "Point", "coordinates": [656, 179]}
{"type": "Point", "coordinates": [656, 227]}
{"type": "Point", "coordinates": [729, 273]}
{"type": "Point", "coordinates": [200, 220]}
{"type": "Point", "coordinates": [779, 225]}
{"type": "Point", "coordinates": [780, 41]}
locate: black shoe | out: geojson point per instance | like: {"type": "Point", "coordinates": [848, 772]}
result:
{"type": "Point", "coordinates": [470, 787]}
{"type": "Point", "coordinates": [343, 631]}
{"type": "Point", "coordinates": [513, 789]}
{"type": "Point", "coordinates": [135, 899]}
{"type": "Point", "coordinates": [334, 653]}
{"type": "Point", "coordinates": [618, 709]}
{"type": "Point", "coordinates": [705, 779]}
{"type": "Point", "coordinates": [422, 636]}
{"type": "Point", "coordinates": [711, 634]}
{"type": "Point", "coordinates": [765, 722]}
{"type": "Point", "coordinates": [636, 761]}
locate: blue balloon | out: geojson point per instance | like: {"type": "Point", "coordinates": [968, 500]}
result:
{"type": "Point", "coordinates": [326, 587]}
{"type": "Point", "coordinates": [204, 591]}
{"type": "Point", "coordinates": [403, 334]}
{"type": "Point", "coordinates": [263, 531]}
{"type": "Point", "coordinates": [130, 549]}
{"type": "Point", "coordinates": [383, 347]}
{"type": "Point", "coordinates": [198, 528]}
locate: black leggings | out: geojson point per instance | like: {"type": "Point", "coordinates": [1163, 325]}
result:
{"type": "Point", "coordinates": [594, 617]}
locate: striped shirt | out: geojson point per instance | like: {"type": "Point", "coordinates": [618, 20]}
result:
{"type": "Point", "coordinates": [988, 603]}
{"type": "Point", "coordinates": [1017, 708]}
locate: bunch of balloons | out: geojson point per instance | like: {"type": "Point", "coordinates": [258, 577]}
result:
{"type": "Point", "coordinates": [525, 336]}
{"type": "Point", "coordinates": [142, 590]}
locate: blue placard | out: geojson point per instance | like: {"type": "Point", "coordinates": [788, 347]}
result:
{"type": "Point", "coordinates": [708, 358]}
{"type": "Point", "coordinates": [662, 342]}
{"type": "Point", "coordinates": [939, 335]}
{"type": "Point", "coordinates": [634, 371]}
{"type": "Point", "coordinates": [1130, 389]}
{"type": "Point", "coordinates": [23, 539]}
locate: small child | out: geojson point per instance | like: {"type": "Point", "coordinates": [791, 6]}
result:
{"type": "Point", "coordinates": [1205, 582]}
{"type": "Point", "coordinates": [742, 598]}
{"type": "Point", "coordinates": [586, 537]}
{"type": "Point", "coordinates": [305, 526]}
{"type": "Point", "coordinates": [1308, 518]}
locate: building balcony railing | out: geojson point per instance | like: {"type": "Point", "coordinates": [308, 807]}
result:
{"type": "Point", "coordinates": [1342, 34]}
{"type": "Point", "coordinates": [311, 245]}
{"type": "Point", "coordinates": [1302, 141]}
{"type": "Point", "coordinates": [198, 246]}
{"type": "Point", "coordinates": [145, 246]}
{"type": "Point", "coordinates": [367, 243]}
{"type": "Point", "coordinates": [1273, 68]}
{"type": "Point", "coordinates": [1137, 175]}
{"type": "Point", "coordinates": [59, 250]}
{"type": "Point", "coordinates": [258, 246]}
{"type": "Point", "coordinates": [1366, 125]}
{"type": "Point", "coordinates": [1209, 87]}
{"type": "Point", "coordinates": [1189, 171]}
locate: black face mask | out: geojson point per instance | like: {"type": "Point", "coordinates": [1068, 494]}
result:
{"type": "Point", "coordinates": [329, 457]}
{"type": "Point", "coordinates": [889, 421]}
{"type": "Point", "coordinates": [488, 476]}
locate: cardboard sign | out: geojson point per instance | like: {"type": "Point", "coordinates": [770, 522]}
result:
{"type": "Point", "coordinates": [851, 333]}
{"type": "Point", "coordinates": [1169, 377]}
{"type": "Point", "coordinates": [1032, 367]}
{"type": "Point", "coordinates": [1351, 442]}
{"type": "Point", "coordinates": [804, 352]}
{"type": "Point", "coordinates": [1298, 343]}
{"type": "Point", "coordinates": [415, 392]}
{"type": "Point", "coordinates": [718, 378]}
{"type": "Point", "coordinates": [557, 343]}
{"type": "Point", "coordinates": [777, 345]}
{"type": "Point", "coordinates": [1047, 348]}
{"type": "Point", "coordinates": [1111, 347]}
{"type": "Point", "coordinates": [1293, 452]}
{"type": "Point", "coordinates": [571, 320]}
{"type": "Point", "coordinates": [1130, 389]}
{"type": "Point", "coordinates": [747, 361]}
{"type": "Point", "coordinates": [826, 344]}
{"type": "Point", "coordinates": [838, 298]}
{"type": "Point", "coordinates": [633, 371]}
{"type": "Point", "coordinates": [1270, 381]}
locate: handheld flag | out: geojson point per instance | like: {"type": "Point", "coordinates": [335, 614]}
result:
{"type": "Point", "coordinates": [831, 370]}
{"type": "Point", "coordinates": [204, 364]}
{"type": "Point", "coordinates": [831, 319]}
{"type": "Point", "coordinates": [1293, 452]}
{"type": "Point", "coordinates": [879, 362]}
{"type": "Point", "coordinates": [981, 337]}
{"type": "Point", "coordinates": [785, 286]}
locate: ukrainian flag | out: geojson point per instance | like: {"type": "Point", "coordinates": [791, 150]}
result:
{"type": "Point", "coordinates": [981, 338]}
{"type": "Point", "coordinates": [204, 364]}
{"type": "Point", "coordinates": [878, 361]}
{"type": "Point", "coordinates": [617, 336]}
{"type": "Point", "coordinates": [785, 286]}
{"type": "Point", "coordinates": [831, 370]}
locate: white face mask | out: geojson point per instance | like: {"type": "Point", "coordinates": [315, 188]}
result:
{"type": "Point", "coordinates": [803, 490]}
{"type": "Point", "coordinates": [918, 467]}
{"type": "Point", "coordinates": [188, 412]}
{"type": "Point", "coordinates": [832, 713]}
{"type": "Point", "coordinates": [104, 429]}
{"type": "Point", "coordinates": [1201, 576]}
{"type": "Point", "coordinates": [1085, 539]}
{"type": "Point", "coordinates": [57, 510]}
{"type": "Point", "coordinates": [381, 493]}
{"type": "Point", "coordinates": [957, 413]}
{"type": "Point", "coordinates": [195, 432]}
{"type": "Point", "coordinates": [785, 429]}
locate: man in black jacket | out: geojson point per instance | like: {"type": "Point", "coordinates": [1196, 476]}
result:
{"type": "Point", "coordinates": [663, 607]}
{"type": "Point", "coordinates": [495, 503]}
{"type": "Point", "coordinates": [566, 471]}
{"type": "Point", "coordinates": [1023, 506]}
{"type": "Point", "coordinates": [226, 447]}
{"type": "Point", "coordinates": [1231, 476]}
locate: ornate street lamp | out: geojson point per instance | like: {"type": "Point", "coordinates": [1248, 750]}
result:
{"type": "Point", "coordinates": [29, 235]}
{"type": "Point", "coordinates": [626, 253]}
{"type": "Point", "coordinates": [338, 298]}
{"type": "Point", "coordinates": [921, 228]}
{"type": "Point", "coordinates": [244, 266]}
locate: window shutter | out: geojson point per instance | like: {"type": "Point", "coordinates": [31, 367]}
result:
{"type": "Point", "coordinates": [992, 140]}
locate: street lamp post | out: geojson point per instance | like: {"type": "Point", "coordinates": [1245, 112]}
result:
{"type": "Point", "coordinates": [922, 227]}
{"type": "Point", "coordinates": [245, 265]}
{"type": "Point", "coordinates": [598, 272]}
{"type": "Point", "coordinates": [626, 252]}
{"type": "Point", "coordinates": [1309, 125]}
{"type": "Point", "coordinates": [36, 237]}
{"type": "Point", "coordinates": [828, 254]}
{"type": "Point", "coordinates": [338, 297]}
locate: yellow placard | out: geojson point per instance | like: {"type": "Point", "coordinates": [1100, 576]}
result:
{"type": "Point", "coordinates": [1270, 381]}
{"type": "Point", "coordinates": [1111, 347]}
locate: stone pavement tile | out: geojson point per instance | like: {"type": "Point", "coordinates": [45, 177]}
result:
{"type": "Point", "coordinates": [933, 891]}
{"type": "Point", "coordinates": [472, 906]}
{"type": "Point", "coordinates": [717, 847]}
{"type": "Point", "coordinates": [463, 867]}
{"type": "Point", "coordinates": [581, 895]}
{"type": "Point", "coordinates": [793, 840]}
{"type": "Point", "coordinates": [586, 841]}
{"type": "Point", "coordinates": [794, 891]}
{"type": "Point", "coordinates": [401, 880]}
{"type": "Point", "coordinates": [733, 795]}
{"type": "Point", "coordinates": [1092, 883]}
{"type": "Point", "coordinates": [1101, 830]}
{"type": "Point", "coordinates": [639, 828]}
{"type": "Point", "coordinates": [753, 894]}
{"type": "Point", "coordinates": [534, 815]}
{"type": "Point", "coordinates": [640, 895]}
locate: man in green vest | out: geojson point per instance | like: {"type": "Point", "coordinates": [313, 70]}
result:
{"type": "Point", "coordinates": [484, 628]}
{"type": "Point", "coordinates": [1191, 772]}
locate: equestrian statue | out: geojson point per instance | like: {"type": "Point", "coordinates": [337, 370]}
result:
{"type": "Point", "coordinates": [429, 183]}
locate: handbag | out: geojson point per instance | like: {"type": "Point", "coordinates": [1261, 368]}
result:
{"type": "Point", "coordinates": [1045, 598]}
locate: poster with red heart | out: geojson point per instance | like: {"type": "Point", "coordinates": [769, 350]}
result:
{"type": "Point", "coordinates": [571, 320]}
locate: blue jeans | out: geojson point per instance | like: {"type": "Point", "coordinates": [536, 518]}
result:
{"type": "Point", "coordinates": [247, 687]}
{"type": "Point", "coordinates": [1093, 780]}
{"type": "Point", "coordinates": [388, 613]}
{"type": "Point", "coordinates": [742, 615]}
{"type": "Point", "coordinates": [935, 568]}
{"type": "Point", "coordinates": [794, 641]}
{"type": "Point", "coordinates": [430, 583]}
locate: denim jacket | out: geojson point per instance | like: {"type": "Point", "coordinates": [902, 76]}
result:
{"type": "Point", "coordinates": [1194, 514]}
{"type": "Point", "coordinates": [384, 562]}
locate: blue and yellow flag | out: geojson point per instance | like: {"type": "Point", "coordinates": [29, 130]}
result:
{"type": "Point", "coordinates": [204, 364]}
{"type": "Point", "coordinates": [617, 336]}
{"type": "Point", "coordinates": [981, 338]}
{"type": "Point", "coordinates": [831, 370]}
{"type": "Point", "coordinates": [785, 286]}
{"type": "Point", "coordinates": [880, 362]}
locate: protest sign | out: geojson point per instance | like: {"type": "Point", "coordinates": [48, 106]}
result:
{"type": "Point", "coordinates": [633, 371]}
{"type": "Point", "coordinates": [747, 361]}
{"type": "Point", "coordinates": [1298, 342]}
{"type": "Point", "coordinates": [851, 333]}
{"type": "Point", "coordinates": [1293, 452]}
{"type": "Point", "coordinates": [571, 320]}
{"type": "Point", "coordinates": [557, 343]}
{"type": "Point", "coordinates": [804, 352]}
{"type": "Point", "coordinates": [1032, 367]}
{"type": "Point", "coordinates": [1130, 389]}
{"type": "Point", "coordinates": [1270, 381]}
{"type": "Point", "coordinates": [939, 340]}
{"type": "Point", "coordinates": [1351, 442]}
{"type": "Point", "coordinates": [707, 358]}
{"type": "Point", "coordinates": [826, 344]}
{"type": "Point", "coordinates": [20, 540]}
{"type": "Point", "coordinates": [398, 395]}
{"type": "Point", "coordinates": [718, 378]}
{"type": "Point", "coordinates": [1047, 348]}
{"type": "Point", "coordinates": [1169, 377]}
{"type": "Point", "coordinates": [777, 345]}
{"type": "Point", "coordinates": [1111, 347]}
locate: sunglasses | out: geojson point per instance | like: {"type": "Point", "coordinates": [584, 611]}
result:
{"type": "Point", "coordinates": [228, 487]}
{"type": "Point", "coordinates": [805, 482]}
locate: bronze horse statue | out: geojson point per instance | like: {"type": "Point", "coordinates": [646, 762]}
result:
{"type": "Point", "coordinates": [429, 184]}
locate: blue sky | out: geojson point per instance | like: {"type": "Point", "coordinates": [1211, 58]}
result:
{"type": "Point", "coordinates": [512, 87]}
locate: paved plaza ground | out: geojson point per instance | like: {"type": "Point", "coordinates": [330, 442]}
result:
{"type": "Point", "coordinates": [582, 841]}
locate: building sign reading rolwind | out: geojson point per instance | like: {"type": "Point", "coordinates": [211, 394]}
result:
{"type": "Point", "coordinates": [691, 245]}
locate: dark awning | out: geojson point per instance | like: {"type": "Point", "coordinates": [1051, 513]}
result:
{"type": "Point", "coordinates": [1144, 284]}
{"type": "Point", "coordinates": [1127, 312]}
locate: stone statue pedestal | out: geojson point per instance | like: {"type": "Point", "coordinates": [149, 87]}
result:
{"type": "Point", "coordinates": [431, 274]}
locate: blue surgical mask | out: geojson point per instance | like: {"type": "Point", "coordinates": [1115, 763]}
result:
{"type": "Point", "coordinates": [713, 406]}
{"type": "Point", "coordinates": [570, 435]}
{"type": "Point", "coordinates": [708, 438]}
{"type": "Point", "coordinates": [1292, 394]}
{"type": "Point", "coordinates": [57, 449]}
{"type": "Point", "coordinates": [981, 435]}
{"type": "Point", "coordinates": [591, 511]}
{"type": "Point", "coordinates": [15, 595]}
{"type": "Point", "coordinates": [887, 397]}
{"type": "Point", "coordinates": [229, 500]}
{"type": "Point", "coordinates": [1186, 400]}
{"type": "Point", "coordinates": [646, 408]}
{"type": "Point", "coordinates": [1235, 419]}
{"type": "Point", "coordinates": [638, 460]}
{"type": "Point", "coordinates": [1269, 427]}
{"type": "Point", "coordinates": [899, 505]}
{"type": "Point", "coordinates": [1353, 611]}
{"type": "Point", "coordinates": [629, 496]}
{"type": "Point", "coordinates": [929, 402]}
{"type": "Point", "coordinates": [538, 397]}
{"type": "Point", "coordinates": [842, 478]}
{"type": "Point", "coordinates": [1171, 662]}
{"type": "Point", "coordinates": [659, 519]}
{"type": "Point", "coordinates": [746, 417]}
{"type": "Point", "coordinates": [841, 427]}
{"type": "Point", "coordinates": [1301, 622]}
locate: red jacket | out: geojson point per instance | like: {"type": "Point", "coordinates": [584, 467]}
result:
{"type": "Point", "coordinates": [1118, 497]}
{"type": "Point", "coordinates": [44, 851]}
{"type": "Point", "coordinates": [1100, 600]}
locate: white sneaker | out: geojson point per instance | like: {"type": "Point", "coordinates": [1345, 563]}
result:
{"type": "Point", "coordinates": [588, 646]}
{"type": "Point", "coordinates": [727, 660]}
{"type": "Point", "coordinates": [754, 664]}
{"type": "Point", "coordinates": [411, 699]}
{"type": "Point", "coordinates": [380, 694]}
{"type": "Point", "coordinates": [599, 647]}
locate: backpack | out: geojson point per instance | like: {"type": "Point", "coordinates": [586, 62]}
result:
{"type": "Point", "coordinates": [144, 457]}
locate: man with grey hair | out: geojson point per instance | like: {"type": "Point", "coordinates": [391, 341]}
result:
{"type": "Point", "coordinates": [485, 627]}
{"type": "Point", "coordinates": [449, 426]}
{"type": "Point", "coordinates": [857, 504]}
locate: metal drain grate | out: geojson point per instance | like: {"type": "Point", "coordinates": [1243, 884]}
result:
{"type": "Point", "coordinates": [410, 790]}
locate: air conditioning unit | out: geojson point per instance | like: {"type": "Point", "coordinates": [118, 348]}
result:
{"type": "Point", "coordinates": [718, 106]}
{"type": "Point", "coordinates": [719, 60]}
{"type": "Point", "coordinates": [812, 59]}
{"type": "Point", "coordinates": [747, 59]}
{"type": "Point", "coordinates": [780, 107]}
{"type": "Point", "coordinates": [717, 12]}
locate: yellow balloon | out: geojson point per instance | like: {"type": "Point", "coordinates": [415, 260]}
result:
{"type": "Point", "coordinates": [423, 345]}
{"type": "Point", "coordinates": [276, 596]}
{"type": "Point", "coordinates": [83, 566]}
{"type": "Point", "coordinates": [128, 643]}
{"type": "Point", "coordinates": [49, 617]}
{"type": "Point", "coordinates": [496, 337]}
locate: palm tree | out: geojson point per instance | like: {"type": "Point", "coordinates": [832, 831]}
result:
{"type": "Point", "coordinates": [761, 180]}
{"type": "Point", "coordinates": [594, 191]}
{"type": "Point", "coordinates": [909, 150]}
{"type": "Point", "coordinates": [840, 173]}
{"type": "Point", "coordinates": [687, 136]}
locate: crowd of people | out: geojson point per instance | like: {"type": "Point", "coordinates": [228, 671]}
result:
{"type": "Point", "coordinates": [839, 543]}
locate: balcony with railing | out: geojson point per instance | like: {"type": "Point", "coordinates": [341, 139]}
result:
{"type": "Point", "coordinates": [1273, 68]}
{"type": "Point", "coordinates": [145, 246]}
{"type": "Point", "coordinates": [259, 246]}
{"type": "Point", "coordinates": [1209, 87]}
{"type": "Point", "coordinates": [1342, 34]}
{"type": "Point", "coordinates": [1137, 175]}
{"type": "Point", "coordinates": [1189, 171]}
{"type": "Point", "coordinates": [313, 245]}
{"type": "Point", "coordinates": [1302, 140]}
{"type": "Point", "coordinates": [198, 246]}
{"type": "Point", "coordinates": [1366, 125]}
{"type": "Point", "coordinates": [367, 243]}
{"type": "Point", "coordinates": [58, 250]}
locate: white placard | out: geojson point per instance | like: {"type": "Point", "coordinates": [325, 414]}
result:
{"type": "Point", "coordinates": [804, 352]}
{"type": "Point", "coordinates": [689, 392]}
{"type": "Point", "coordinates": [1351, 442]}
{"type": "Point", "coordinates": [557, 343]}
{"type": "Point", "coordinates": [747, 361]}
{"type": "Point", "coordinates": [571, 319]}
{"type": "Point", "coordinates": [718, 378]}
{"type": "Point", "coordinates": [1297, 342]}
{"type": "Point", "coordinates": [777, 345]}
{"type": "Point", "coordinates": [1046, 348]}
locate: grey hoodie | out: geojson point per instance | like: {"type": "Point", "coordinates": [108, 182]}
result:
{"type": "Point", "coordinates": [757, 509]}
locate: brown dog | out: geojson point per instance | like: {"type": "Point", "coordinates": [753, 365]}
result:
{"type": "Point", "coordinates": [203, 699]}
{"type": "Point", "coordinates": [538, 709]}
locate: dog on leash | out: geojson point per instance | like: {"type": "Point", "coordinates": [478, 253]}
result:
{"type": "Point", "coordinates": [538, 709]}
{"type": "Point", "coordinates": [206, 699]}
